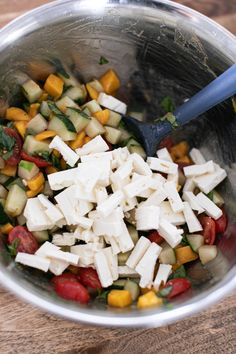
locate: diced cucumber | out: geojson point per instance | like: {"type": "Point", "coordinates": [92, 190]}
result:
{"type": "Point", "coordinates": [44, 109]}
{"type": "Point", "coordinates": [167, 256]}
{"type": "Point", "coordinates": [14, 180]}
{"type": "Point", "coordinates": [78, 118]}
{"type": "Point", "coordinates": [132, 142]}
{"type": "Point", "coordinates": [27, 169]}
{"type": "Point", "coordinates": [217, 199]}
{"type": "Point", "coordinates": [122, 258]}
{"type": "Point", "coordinates": [207, 253]}
{"type": "Point", "coordinates": [76, 93]}
{"type": "Point", "coordinates": [96, 85]}
{"type": "Point", "coordinates": [138, 149]}
{"type": "Point", "coordinates": [41, 236]}
{"type": "Point", "coordinates": [137, 115]}
{"type": "Point", "coordinates": [94, 128]}
{"type": "Point", "coordinates": [112, 135]}
{"type": "Point", "coordinates": [32, 146]}
{"type": "Point", "coordinates": [47, 189]}
{"type": "Point", "coordinates": [66, 102]}
{"type": "Point", "coordinates": [195, 241]}
{"type": "Point", "coordinates": [37, 124]}
{"type": "Point", "coordinates": [61, 126]}
{"type": "Point", "coordinates": [119, 282]}
{"type": "Point", "coordinates": [3, 178]}
{"type": "Point", "coordinates": [32, 91]}
{"type": "Point", "coordinates": [3, 192]}
{"type": "Point", "coordinates": [133, 233]}
{"type": "Point", "coordinates": [68, 78]}
{"type": "Point", "coordinates": [114, 119]}
{"type": "Point", "coordinates": [21, 219]}
{"type": "Point", "coordinates": [125, 135]}
{"type": "Point", "coordinates": [16, 200]}
{"type": "Point", "coordinates": [133, 288]}
{"type": "Point", "coordinates": [93, 106]}
{"type": "Point", "coordinates": [86, 111]}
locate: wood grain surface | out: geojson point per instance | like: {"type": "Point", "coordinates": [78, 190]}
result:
{"type": "Point", "coordinates": [24, 329]}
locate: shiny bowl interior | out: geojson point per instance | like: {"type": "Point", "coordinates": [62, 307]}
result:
{"type": "Point", "coordinates": [158, 48]}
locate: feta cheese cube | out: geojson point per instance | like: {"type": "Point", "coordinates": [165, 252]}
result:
{"type": "Point", "coordinates": [111, 103]}
{"type": "Point", "coordinates": [111, 203]}
{"type": "Point", "coordinates": [162, 276]}
{"type": "Point", "coordinates": [32, 260]}
{"type": "Point", "coordinates": [97, 157]}
{"type": "Point", "coordinates": [138, 252]}
{"type": "Point", "coordinates": [95, 145]}
{"type": "Point", "coordinates": [147, 218]}
{"type": "Point", "coordinates": [156, 198]}
{"type": "Point", "coordinates": [210, 208]}
{"type": "Point", "coordinates": [163, 166]}
{"type": "Point", "coordinates": [84, 195]}
{"type": "Point", "coordinates": [86, 253]}
{"type": "Point", "coordinates": [167, 213]}
{"type": "Point", "coordinates": [108, 226]}
{"type": "Point", "coordinates": [191, 199]}
{"type": "Point", "coordinates": [62, 179]}
{"type": "Point", "coordinates": [120, 155]}
{"type": "Point", "coordinates": [52, 212]}
{"type": "Point", "coordinates": [124, 170]}
{"type": "Point", "coordinates": [103, 269]}
{"type": "Point", "coordinates": [100, 194]}
{"type": "Point", "coordinates": [139, 165]}
{"type": "Point", "coordinates": [146, 193]}
{"type": "Point", "coordinates": [117, 184]}
{"type": "Point", "coordinates": [133, 189]}
{"type": "Point", "coordinates": [45, 248]}
{"type": "Point", "coordinates": [67, 204]}
{"type": "Point", "coordinates": [129, 204]}
{"type": "Point", "coordinates": [114, 244]}
{"type": "Point", "coordinates": [57, 267]}
{"type": "Point", "coordinates": [197, 156]}
{"type": "Point", "coordinates": [65, 239]}
{"type": "Point", "coordinates": [68, 154]}
{"type": "Point", "coordinates": [83, 207]}
{"type": "Point", "coordinates": [189, 185]}
{"type": "Point", "coordinates": [208, 182]}
{"type": "Point", "coordinates": [164, 154]}
{"type": "Point", "coordinates": [63, 256]}
{"type": "Point", "coordinates": [170, 233]}
{"type": "Point", "coordinates": [191, 220]}
{"type": "Point", "coordinates": [124, 239]}
{"type": "Point", "coordinates": [36, 218]}
{"type": "Point", "coordinates": [173, 197]}
{"type": "Point", "coordinates": [198, 170]}
{"type": "Point", "coordinates": [125, 272]}
{"type": "Point", "coordinates": [89, 174]}
{"type": "Point", "coordinates": [112, 261]}
{"type": "Point", "coordinates": [84, 222]}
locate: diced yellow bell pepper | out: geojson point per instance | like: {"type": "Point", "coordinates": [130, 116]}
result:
{"type": "Point", "coordinates": [36, 182]}
{"type": "Point", "coordinates": [110, 82]}
{"type": "Point", "coordinates": [78, 142]}
{"type": "Point", "coordinates": [9, 170]}
{"type": "Point", "coordinates": [56, 153]}
{"type": "Point", "coordinates": [102, 116]}
{"type": "Point", "coordinates": [54, 86]}
{"type": "Point", "coordinates": [15, 113]}
{"type": "Point", "coordinates": [119, 298]}
{"type": "Point", "coordinates": [179, 150]}
{"type": "Point", "coordinates": [149, 300]}
{"type": "Point", "coordinates": [45, 135]}
{"type": "Point", "coordinates": [92, 92]}
{"type": "Point", "coordinates": [21, 127]}
{"type": "Point", "coordinates": [43, 97]}
{"type": "Point", "coordinates": [50, 169]}
{"type": "Point", "coordinates": [63, 164]}
{"type": "Point", "coordinates": [175, 266]}
{"type": "Point", "coordinates": [32, 194]}
{"type": "Point", "coordinates": [34, 109]}
{"type": "Point", "coordinates": [185, 254]}
{"type": "Point", "coordinates": [6, 229]}
{"type": "Point", "coordinates": [87, 139]}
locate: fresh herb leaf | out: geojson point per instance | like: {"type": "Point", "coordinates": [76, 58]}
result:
{"type": "Point", "coordinates": [12, 248]}
{"type": "Point", "coordinates": [82, 113]}
{"type": "Point", "coordinates": [59, 68]}
{"type": "Point", "coordinates": [169, 117]}
{"type": "Point", "coordinates": [210, 195]}
{"type": "Point", "coordinates": [54, 108]}
{"type": "Point", "coordinates": [44, 155]}
{"type": "Point", "coordinates": [102, 295]}
{"type": "Point", "coordinates": [164, 292]}
{"type": "Point", "coordinates": [179, 273]}
{"type": "Point", "coordinates": [55, 161]}
{"type": "Point", "coordinates": [184, 241]}
{"type": "Point", "coordinates": [7, 143]}
{"type": "Point", "coordinates": [103, 60]}
{"type": "Point", "coordinates": [167, 104]}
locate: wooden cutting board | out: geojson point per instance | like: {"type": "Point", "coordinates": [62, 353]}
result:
{"type": "Point", "coordinates": [24, 329]}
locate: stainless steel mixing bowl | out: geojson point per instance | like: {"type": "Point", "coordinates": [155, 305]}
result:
{"type": "Point", "coordinates": [158, 48]}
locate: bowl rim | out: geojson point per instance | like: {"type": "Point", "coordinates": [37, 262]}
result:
{"type": "Point", "coordinates": [146, 318]}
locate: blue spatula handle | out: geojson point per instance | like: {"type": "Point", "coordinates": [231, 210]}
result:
{"type": "Point", "coordinates": [217, 91]}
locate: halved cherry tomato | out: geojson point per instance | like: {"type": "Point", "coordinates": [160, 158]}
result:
{"type": "Point", "coordinates": [27, 242]}
{"type": "Point", "coordinates": [166, 143]}
{"type": "Point", "coordinates": [16, 155]}
{"type": "Point", "coordinates": [72, 290]}
{"type": "Point", "coordinates": [154, 236]}
{"type": "Point", "coordinates": [37, 160]}
{"type": "Point", "coordinates": [209, 229]}
{"type": "Point", "coordinates": [221, 223]}
{"type": "Point", "coordinates": [64, 277]}
{"type": "Point", "coordinates": [89, 278]}
{"type": "Point", "coordinates": [179, 286]}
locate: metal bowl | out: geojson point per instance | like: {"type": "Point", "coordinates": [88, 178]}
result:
{"type": "Point", "coordinates": [158, 48]}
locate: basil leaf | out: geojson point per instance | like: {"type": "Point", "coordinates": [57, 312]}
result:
{"type": "Point", "coordinates": [102, 294]}
{"type": "Point", "coordinates": [82, 113]}
{"type": "Point", "coordinates": [167, 104]}
{"type": "Point", "coordinates": [184, 241]}
{"type": "Point", "coordinates": [103, 60]}
{"type": "Point", "coordinates": [210, 195]}
{"type": "Point", "coordinates": [164, 292]}
{"type": "Point", "coordinates": [12, 248]}
{"type": "Point", "coordinates": [179, 273]}
{"type": "Point", "coordinates": [169, 117]}
{"type": "Point", "coordinates": [54, 108]}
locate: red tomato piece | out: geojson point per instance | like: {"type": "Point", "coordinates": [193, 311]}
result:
{"type": "Point", "coordinates": [27, 242]}
{"type": "Point", "coordinates": [37, 160]}
{"type": "Point", "coordinates": [221, 223]}
{"type": "Point", "coordinates": [209, 229]}
{"type": "Point", "coordinates": [89, 278]}
{"type": "Point", "coordinates": [16, 155]}
{"type": "Point", "coordinates": [166, 143]}
{"type": "Point", "coordinates": [179, 286]}
{"type": "Point", "coordinates": [72, 290]}
{"type": "Point", "coordinates": [64, 277]}
{"type": "Point", "coordinates": [154, 236]}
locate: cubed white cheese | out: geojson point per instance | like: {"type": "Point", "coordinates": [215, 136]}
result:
{"type": "Point", "coordinates": [208, 182]}
{"type": "Point", "coordinates": [62, 179]}
{"type": "Point", "coordinates": [197, 156]}
{"type": "Point", "coordinates": [133, 189]}
{"type": "Point", "coordinates": [147, 192]}
{"type": "Point", "coordinates": [111, 203]}
{"type": "Point", "coordinates": [159, 178]}
{"type": "Point", "coordinates": [139, 165]}
{"type": "Point", "coordinates": [97, 157]}
{"type": "Point", "coordinates": [125, 271]}
{"type": "Point", "coordinates": [45, 248]}
{"type": "Point", "coordinates": [125, 241]}
{"type": "Point", "coordinates": [170, 233]}
{"type": "Point", "coordinates": [88, 174]}
{"type": "Point", "coordinates": [189, 185]}
{"type": "Point", "coordinates": [114, 244]}
{"type": "Point", "coordinates": [33, 261]}
{"type": "Point", "coordinates": [36, 218]}
{"type": "Point", "coordinates": [210, 208]}
{"type": "Point", "coordinates": [117, 183]}
{"type": "Point", "coordinates": [129, 204]}
{"type": "Point", "coordinates": [108, 226]}
{"type": "Point", "coordinates": [120, 155]}
{"type": "Point", "coordinates": [191, 199]}
{"type": "Point", "coordinates": [164, 154]}
{"type": "Point", "coordinates": [57, 267]}
{"type": "Point", "coordinates": [63, 256]}
{"type": "Point", "coordinates": [83, 207]}
{"type": "Point", "coordinates": [167, 213]}
{"type": "Point", "coordinates": [163, 274]}
{"type": "Point", "coordinates": [198, 170]}
{"type": "Point", "coordinates": [124, 170]}
{"type": "Point", "coordinates": [86, 253]}
{"type": "Point", "coordinates": [68, 154]}
{"type": "Point", "coordinates": [52, 212]}
{"type": "Point", "coordinates": [112, 261]}
{"type": "Point", "coordinates": [138, 252]}
{"type": "Point", "coordinates": [156, 198]}
{"type": "Point", "coordinates": [112, 103]}
{"type": "Point", "coordinates": [163, 166]}
{"type": "Point", "coordinates": [65, 239]}
{"type": "Point", "coordinates": [174, 178]}
{"type": "Point", "coordinates": [191, 220]}
{"type": "Point", "coordinates": [84, 222]}
{"type": "Point", "coordinates": [95, 145]}
{"type": "Point", "coordinates": [67, 203]}
{"type": "Point", "coordinates": [84, 195]}
{"type": "Point", "coordinates": [147, 217]}
{"type": "Point", "coordinates": [100, 194]}
{"type": "Point", "coordinates": [173, 197]}
{"type": "Point", "coordinates": [103, 269]}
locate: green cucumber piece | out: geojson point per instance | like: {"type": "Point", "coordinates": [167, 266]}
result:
{"type": "Point", "coordinates": [207, 253]}
{"type": "Point", "coordinates": [114, 119]}
{"type": "Point", "coordinates": [64, 103]}
{"type": "Point", "coordinates": [78, 118]}
{"type": "Point", "coordinates": [133, 288]}
{"type": "Point", "coordinates": [119, 282]}
{"type": "Point", "coordinates": [217, 199]}
{"type": "Point", "coordinates": [63, 127]}
{"type": "Point", "coordinates": [94, 128]}
{"type": "Point", "coordinates": [3, 192]}
{"type": "Point", "coordinates": [93, 106]}
{"type": "Point", "coordinates": [41, 236]}
{"type": "Point", "coordinates": [44, 109]}
{"type": "Point", "coordinates": [122, 258]}
{"type": "Point", "coordinates": [32, 146]}
{"type": "Point", "coordinates": [3, 178]}
{"type": "Point", "coordinates": [195, 241]}
{"type": "Point", "coordinates": [16, 200]}
{"type": "Point", "coordinates": [27, 169]}
{"type": "Point", "coordinates": [133, 233]}
{"type": "Point", "coordinates": [138, 149]}
{"type": "Point", "coordinates": [37, 124]}
{"type": "Point", "coordinates": [21, 220]}
{"type": "Point", "coordinates": [112, 135]}
{"type": "Point", "coordinates": [32, 91]}
{"type": "Point", "coordinates": [125, 135]}
{"type": "Point", "coordinates": [167, 256]}
{"type": "Point", "coordinates": [14, 180]}
{"type": "Point", "coordinates": [76, 93]}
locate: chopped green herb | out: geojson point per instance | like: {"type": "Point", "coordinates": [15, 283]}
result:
{"type": "Point", "coordinates": [13, 247]}
{"type": "Point", "coordinates": [169, 117]}
{"type": "Point", "coordinates": [179, 273]}
{"type": "Point", "coordinates": [7, 143]}
{"type": "Point", "coordinates": [103, 60]}
{"type": "Point", "coordinates": [82, 113]}
{"type": "Point", "coordinates": [184, 241]}
{"type": "Point", "coordinates": [210, 195]}
{"type": "Point", "coordinates": [164, 292]}
{"type": "Point", "coordinates": [51, 158]}
{"type": "Point", "coordinates": [55, 161]}
{"type": "Point", "coordinates": [102, 294]}
{"type": "Point", "coordinates": [167, 104]}
{"type": "Point", "coordinates": [59, 68]}
{"type": "Point", "coordinates": [54, 108]}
